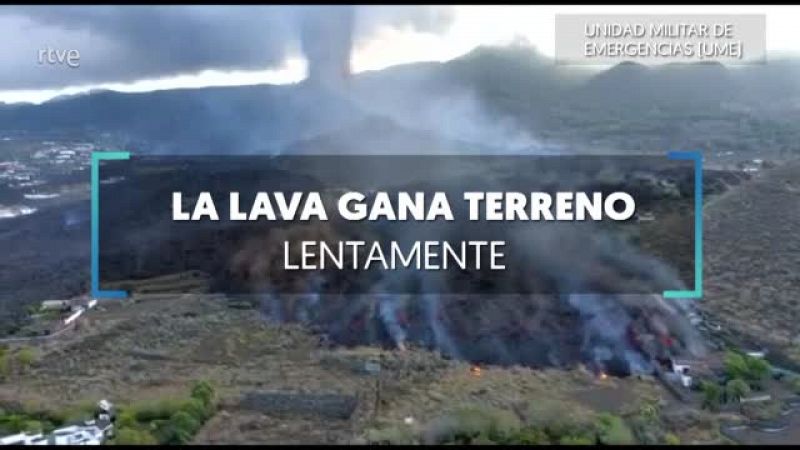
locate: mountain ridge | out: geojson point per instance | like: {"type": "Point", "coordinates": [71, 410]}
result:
{"type": "Point", "coordinates": [514, 81]}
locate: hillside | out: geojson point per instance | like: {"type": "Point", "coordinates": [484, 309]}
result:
{"type": "Point", "coordinates": [752, 253]}
{"type": "Point", "coordinates": [490, 84]}
{"type": "Point", "coordinates": [278, 383]}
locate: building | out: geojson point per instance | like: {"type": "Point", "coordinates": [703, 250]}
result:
{"type": "Point", "coordinates": [90, 432]}
{"type": "Point", "coordinates": [21, 439]}
{"type": "Point", "coordinates": [71, 305]}
{"type": "Point", "coordinates": [681, 371]}
{"type": "Point", "coordinates": [58, 305]}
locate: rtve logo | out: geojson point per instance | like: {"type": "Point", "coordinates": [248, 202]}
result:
{"type": "Point", "coordinates": [70, 58]}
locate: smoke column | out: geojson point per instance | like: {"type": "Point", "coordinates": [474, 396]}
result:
{"type": "Point", "coordinates": [327, 40]}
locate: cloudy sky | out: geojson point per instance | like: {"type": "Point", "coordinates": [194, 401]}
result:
{"type": "Point", "coordinates": [143, 48]}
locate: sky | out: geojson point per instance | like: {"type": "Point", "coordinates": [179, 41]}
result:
{"type": "Point", "coordinates": [146, 48]}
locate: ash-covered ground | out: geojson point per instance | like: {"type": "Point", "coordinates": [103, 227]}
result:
{"type": "Point", "coordinates": [621, 335]}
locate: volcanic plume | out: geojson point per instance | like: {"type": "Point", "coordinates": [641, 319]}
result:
{"type": "Point", "coordinates": [327, 40]}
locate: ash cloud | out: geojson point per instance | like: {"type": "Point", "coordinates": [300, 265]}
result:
{"type": "Point", "coordinates": [120, 44]}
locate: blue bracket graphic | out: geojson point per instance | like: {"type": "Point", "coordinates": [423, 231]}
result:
{"type": "Point", "coordinates": [697, 157]}
{"type": "Point", "coordinates": [95, 256]}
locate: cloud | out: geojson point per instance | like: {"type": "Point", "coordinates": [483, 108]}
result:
{"type": "Point", "coordinates": [127, 43]}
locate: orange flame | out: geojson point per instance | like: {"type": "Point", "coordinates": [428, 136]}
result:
{"type": "Point", "coordinates": [475, 371]}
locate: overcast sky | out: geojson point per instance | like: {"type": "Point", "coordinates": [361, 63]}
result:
{"type": "Point", "coordinates": [143, 48]}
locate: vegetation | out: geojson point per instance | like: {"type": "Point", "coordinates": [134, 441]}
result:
{"type": "Point", "coordinates": [168, 421]}
{"type": "Point", "coordinates": [712, 395]}
{"type": "Point", "coordinates": [750, 369]}
{"type": "Point", "coordinates": [21, 420]}
{"type": "Point", "coordinates": [471, 424]}
{"type": "Point", "coordinates": [612, 430]}
{"type": "Point", "coordinates": [16, 362]}
{"type": "Point", "coordinates": [646, 424]}
{"type": "Point", "coordinates": [489, 425]}
{"type": "Point", "coordinates": [743, 372]}
{"type": "Point", "coordinates": [736, 389]}
{"type": "Point", "coordinates": [26, 356]}
{"type": "Point", "coordinates": [204, 392]}
{"type": "Point", "coordinates": [672, 439]}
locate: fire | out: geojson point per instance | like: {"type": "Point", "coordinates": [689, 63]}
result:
{"type": "Point", "coordinates": [603, 375]}
{"type": "Point", "coordinates": [475, 371]}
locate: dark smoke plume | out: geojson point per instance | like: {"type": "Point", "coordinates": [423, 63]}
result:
{"type": "Point", "coordinates": [327, 40]}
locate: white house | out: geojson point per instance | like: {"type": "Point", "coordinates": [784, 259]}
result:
{"type": "Point", "coordinates": [680, 370]}
{"type": "Point", "coordinates": [20, 439]}
{"type": "Point", "coordinates": [55, 304]}
{"type": "Point", "coordinates": [91, 432]}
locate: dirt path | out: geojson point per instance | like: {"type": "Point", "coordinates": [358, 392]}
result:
{"type": "Point", "coordinates": [785, 430]}
{"type": "Point", "coordinates": [18, 340]}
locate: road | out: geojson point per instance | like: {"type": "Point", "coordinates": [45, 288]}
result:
{"type": "Point", "coordinates": [60, 331]}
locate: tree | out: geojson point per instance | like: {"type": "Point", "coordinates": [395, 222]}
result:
{"type": "Point", "coordinates": [204, 391]}
{"type": "Point", "coordinates": [758, 369]}
{"type": "Point", "coordinates": [181, 427]}
{"type": "Point", "coordinates": [751, 369]}
{"type": "Point", "coordinates": [712, 395]}
{"type": "Point", "coordinates": [195, 408]}
{"type": "Point", "coordinates": [737, 389]}
{"type": "Point", "coordinates": [735, 366]}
